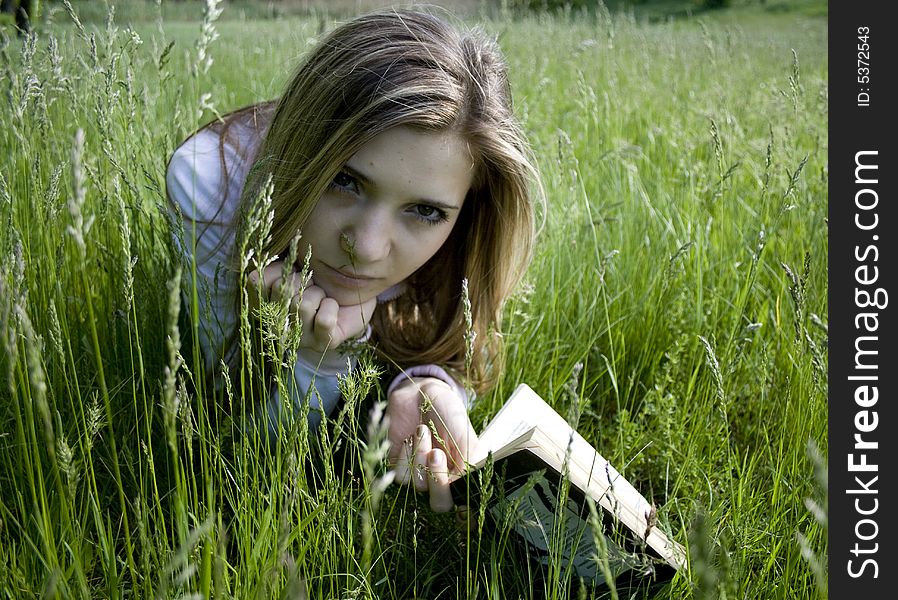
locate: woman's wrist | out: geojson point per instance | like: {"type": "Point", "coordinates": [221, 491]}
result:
{"type": "Point", "coordinates": [332, 360]}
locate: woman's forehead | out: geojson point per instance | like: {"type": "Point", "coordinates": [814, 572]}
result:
{"type": "Point", "coordinates": [436, 165]}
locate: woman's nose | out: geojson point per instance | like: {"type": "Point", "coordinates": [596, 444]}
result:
{"type": "Point", "coordinates": [367, 240]}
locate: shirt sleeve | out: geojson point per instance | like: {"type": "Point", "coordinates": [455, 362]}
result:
{"type": "Point", "coordinates": [204, 199]}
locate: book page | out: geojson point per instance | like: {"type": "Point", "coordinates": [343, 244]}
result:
{"type": "Point", "coordinates": [524, 410]}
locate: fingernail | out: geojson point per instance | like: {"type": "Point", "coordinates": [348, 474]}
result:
{"type": "Point", "coordinates": [422, 431]}
{"type": "Point", "coordinates": [435, 458]}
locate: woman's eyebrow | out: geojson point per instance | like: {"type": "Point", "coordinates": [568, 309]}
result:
{"type": "Point", "coordinates": [367, 181]}
{"type": "Point", "coordinates": [357, 175]}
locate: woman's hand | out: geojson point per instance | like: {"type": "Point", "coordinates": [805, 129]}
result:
{"type": "Point", "coordinates": [430, 436]}
{"type": "Point", "coordinates": [325, 324]}
{"type": "Point", "coordinates": [329, 323]}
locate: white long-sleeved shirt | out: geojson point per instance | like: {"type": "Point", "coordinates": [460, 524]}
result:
{"type": "Point", "coordinates": [208, 201]}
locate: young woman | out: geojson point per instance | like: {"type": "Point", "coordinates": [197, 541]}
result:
{"type": "Point", "coordinates": [395, 152]}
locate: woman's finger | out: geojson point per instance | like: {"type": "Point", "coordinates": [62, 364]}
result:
{"type": "Point", "coordinates": [352, 321]}
{"type": "Point", "coordinates": [403, 459]}
{"type": "Point", "coordinates": [294, 285]}
{"type": "Point", "coordinates": [308, 304]}
{"type": "Point", "coordinates": [438, 482]}
{"type": "Point", "coordinates": [325, 323]}
{"type": "Point", "coordinates": [463, 448]}
{"type": "Point", "coordinates": [450, 416]}
{"type": "Point", "coordinates": [272, 274]}
{"type": "Point", "coordinates": [423, 446]}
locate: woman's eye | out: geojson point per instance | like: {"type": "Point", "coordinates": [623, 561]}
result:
{"type": "Point", "coordinates": [345, 182]}
{"type": "Point", "coordinates": [429, 214]}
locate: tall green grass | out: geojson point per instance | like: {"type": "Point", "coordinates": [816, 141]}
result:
{"type": "Point", "coordinates": [677, 298]}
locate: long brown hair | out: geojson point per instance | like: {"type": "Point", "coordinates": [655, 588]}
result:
{"type": "Point", "coordinates": [411, 68]}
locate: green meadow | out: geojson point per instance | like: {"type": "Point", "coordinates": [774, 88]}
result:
{"type": "Point", "coordinates": [676, 308]}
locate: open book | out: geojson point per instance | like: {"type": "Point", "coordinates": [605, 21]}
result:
{"type": "Point", "coordinates": [530, 449]}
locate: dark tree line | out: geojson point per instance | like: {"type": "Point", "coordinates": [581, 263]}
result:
{"type": "Point", "coordinates": [24, 11]}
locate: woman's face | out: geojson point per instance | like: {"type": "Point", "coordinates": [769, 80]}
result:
{"type": "Point", "coordinates": [387, 212]}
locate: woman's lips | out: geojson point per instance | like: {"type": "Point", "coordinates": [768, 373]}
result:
{"type": "Point", "coordinates": [346, 279]}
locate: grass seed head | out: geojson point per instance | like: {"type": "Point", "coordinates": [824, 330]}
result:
{"type": "Point", "coordinates": [208, 34]}
{"type": "Point", "coordinates": [80, 227]}
{"type": "Point", "coordinates": [66, 460]}
{"type": "Point", "coordinates": [95, 418]}
{"type": "Point", "coordinates": [34, 350]}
